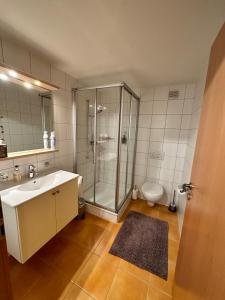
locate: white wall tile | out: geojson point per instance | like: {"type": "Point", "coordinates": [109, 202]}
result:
{"type": "Point", "coordinates": [170, 149]}
{"type": "Point", "coordinates": [171, 135]}
{"type": "Point", "coordinates": [156, 135]}
{"type": "Point", "coordinates": [161, 93]}
{"type": "Point", "coordinates": [190, 91]}
{"type": "Point", "coordinates": [181, 150]}
{"type": "Point", "coordinates": [147, 94]}
{"type": "Point", "coordinates": [185, 123]}
{"type": "Point", "coordinates": [173, 121]}
{"type": "Point", "coordinates": [142, 146]}
{"type": "Point", "coordinates": [158, 121]}
{"type": "Point", "coordinates": [143, 134]}
{"type": "Point", "coordinates": [153, 172]}
{"type": "Point", "coordinates": [175, 107]}
{"type": "Point", "coordinates": [188, 106]}
{"type": "Point", "coordinates": [146, 108]}
{"type": "Point", "coordinates": [159, 107]}
{"type": "Point", "coordinates": [144, 121]}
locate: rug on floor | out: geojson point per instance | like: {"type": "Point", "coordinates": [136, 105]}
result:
{"type": "Point", "coordinates": [143, 241]}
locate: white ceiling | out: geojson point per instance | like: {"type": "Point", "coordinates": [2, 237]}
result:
{"type": "Point", "coordinates": [146, 42]}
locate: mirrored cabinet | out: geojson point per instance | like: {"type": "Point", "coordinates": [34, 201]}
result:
{"type": "Point", "coordinates": [26, 110]}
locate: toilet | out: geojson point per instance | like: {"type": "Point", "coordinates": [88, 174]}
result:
{"type": "Point", "coordinates": [152, 192]}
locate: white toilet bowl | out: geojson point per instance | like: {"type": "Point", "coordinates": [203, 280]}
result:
{"type": "Point", "coordinates": [152, 192]}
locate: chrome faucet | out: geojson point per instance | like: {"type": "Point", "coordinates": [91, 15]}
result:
{"type": "Point", "coordinates": [32, 171]}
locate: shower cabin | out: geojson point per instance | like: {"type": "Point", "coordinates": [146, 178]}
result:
{"type": "Point", "coordinates": [105, 144]}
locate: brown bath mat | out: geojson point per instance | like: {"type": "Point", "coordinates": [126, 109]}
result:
{"type": "Point", "coordinates": [143, 241]}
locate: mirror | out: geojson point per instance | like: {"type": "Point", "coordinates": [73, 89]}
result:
{"type": "Point", "coordinates": [25, 112]}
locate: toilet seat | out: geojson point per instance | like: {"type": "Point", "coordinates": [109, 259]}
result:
{"type": "Point", "coordinates": [152, 189]}
{"type": "Point", "coordinates": [152, 192]}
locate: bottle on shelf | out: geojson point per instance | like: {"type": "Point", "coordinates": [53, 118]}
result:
{"type": "Point", "coordinates": [52, 140]}
{"type": "Point", "coordinates": [45, 139]}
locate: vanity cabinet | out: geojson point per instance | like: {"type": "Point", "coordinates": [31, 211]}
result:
{"type": "Point", "coordinates": [30, 225]}
{"type": "Point", "coordinates": [66, 207]}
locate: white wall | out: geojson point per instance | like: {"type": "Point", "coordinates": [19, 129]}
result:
{"type": "Point", "coordinates": [20, 58]}
{"type": "Point", "coordinates": [163, 128]}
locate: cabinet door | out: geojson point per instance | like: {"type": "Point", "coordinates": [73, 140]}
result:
{"type": "Point", "coordinates": [37, 224]}
{"type": "Point", "coordinates": [66, 203]}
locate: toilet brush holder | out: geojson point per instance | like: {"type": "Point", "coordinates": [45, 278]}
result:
{"type": "Point", "coordinates": [172, 206]}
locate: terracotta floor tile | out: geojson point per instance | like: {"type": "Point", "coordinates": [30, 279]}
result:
{"type": "Point", "coordinates": [91, 219]}
{"type": "Point", "coordinates": [173, 250]}
{"type": "Point", "coordinates": [97, 276]}
{"type": "Point", "coordinates": [24, 276]}
{"type": "Point", "coordinates": [150, 211]}
{"type": "Point", "coordinates": [166, 215]}
{"type": "Point", "coordinates": [138, 272]}
{"type": "Point", "coordinates": [154, 294]}
{"type": "Point", "coordinates": [107, 241]}
{"type": "Point", "coordinates": [52, 251]}
{"type": "Point", "coordinates": [88, 235]}
{"type": "Point", "coordinates": [69, 257]}
{"type": "Point", "coordinates": [72, 260]}
{"type": "Point", "coordinates": [52, 285]}
{"type": "Point", "coordinates": [174, 232]}
{"type": "Point", "coordinates": [75, 292]}
{"type": "Point", "coordinates": [161, 284]}
{"type": "Point", "coordinates": [137, 205]}
{"type": "Point", "coordinates": [126, 286]}
{"type": "Point", "coordinates": [80, 253]}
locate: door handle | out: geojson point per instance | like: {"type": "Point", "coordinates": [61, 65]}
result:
{"type": "Point", "coordinates": [186, 187]}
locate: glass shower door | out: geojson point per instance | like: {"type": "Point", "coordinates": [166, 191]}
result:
{"type": "Point", "coordinates": [124, 140]}
{"type": "Point", "coordinates": [107, 117]}
{"type": "Point", "coordinates": [132, 143]}
{"type": "Point", "coordinates": [85, 138]}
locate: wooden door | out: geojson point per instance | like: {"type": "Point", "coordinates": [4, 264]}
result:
{"type": "Point", "coordinates": [37, 224]}
{"type": "Point", "coordinates": [200, 272]}
{"type": "Point", "coordinates": [66, 203]}
{"type": "Point", "coordinates": [5, 285]}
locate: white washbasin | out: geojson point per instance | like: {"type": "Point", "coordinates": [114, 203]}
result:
{"type": "Point", "coordinates": [19, 194]}
{"type": "Point", "coordinates": [37, 183]}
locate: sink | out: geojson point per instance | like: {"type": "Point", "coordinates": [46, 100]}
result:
{"type": "Point", "coordinates": [19, 194]}
{"type": "Point", "coordinates": [37, 183]}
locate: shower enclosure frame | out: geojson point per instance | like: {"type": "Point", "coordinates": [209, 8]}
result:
{"type": "Point", "coordinates": [123, 86]}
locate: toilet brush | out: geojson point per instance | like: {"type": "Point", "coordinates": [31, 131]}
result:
{"type": "Point", "coordinates": [172, 206]}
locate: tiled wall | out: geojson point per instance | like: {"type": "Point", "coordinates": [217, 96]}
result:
{"type": "Point", "coordinates": [164, 125]}
{"type": "Point", "coordinates": [21, 59]}
{"type": "Point", "coordinates": [192, 137]}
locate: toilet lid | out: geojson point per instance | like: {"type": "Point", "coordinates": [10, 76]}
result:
{"type": "Point", "coordinates": [152, 188]}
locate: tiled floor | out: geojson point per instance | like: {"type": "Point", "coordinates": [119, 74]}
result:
{"type": "Point", "coordinates": [76, 264]}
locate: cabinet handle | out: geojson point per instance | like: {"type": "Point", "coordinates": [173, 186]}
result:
{"type": "Point", "coordinates": [53, 193]}
{"type": "Point", "coordinates": [58, 192]}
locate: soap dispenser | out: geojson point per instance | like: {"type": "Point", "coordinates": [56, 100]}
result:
{"type": "Point", "coordinates": [17, 175]}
